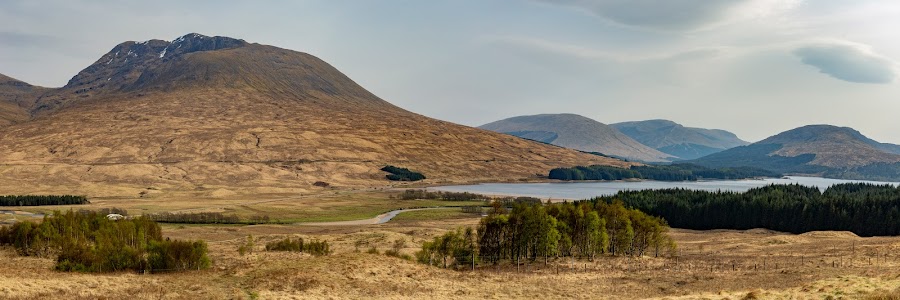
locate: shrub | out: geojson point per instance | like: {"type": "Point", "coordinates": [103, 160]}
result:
{"type": "Point", "coordinates": [321, 184]}
{"type": "Point", "coordinates": [177, 255]}
{"type": "Point", "coordinates": [395, 250]}
{"type": "Point", "coordinates": [246, 247]}
{"type": "Point", "coordinates": [317, 248]}
{"type": "Point", "coordinates": [286, 245]}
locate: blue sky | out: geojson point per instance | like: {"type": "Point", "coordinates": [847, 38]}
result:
{"type": "Point", "coordinates": [754, 67]}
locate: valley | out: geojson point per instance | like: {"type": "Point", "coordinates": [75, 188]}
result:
{"type": "Point", "coordinates": [715, 264]}
{"type": "Point", "coordinates": [228, 146]}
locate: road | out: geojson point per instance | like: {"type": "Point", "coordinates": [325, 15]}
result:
{"type": "Point", "coordinates": [379, 219]}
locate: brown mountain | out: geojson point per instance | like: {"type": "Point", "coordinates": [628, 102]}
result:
{"type": "Point", "coordinates": [206, 113]}
{"type": "Point", "coordinates": [577, 132]}
{"type": "Point", "coordinates": [13, 93]}
{"type": "Point", "coordinates": [825, 150]}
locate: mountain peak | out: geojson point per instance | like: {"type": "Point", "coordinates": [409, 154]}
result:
{"type": "Point", "coordinates": [126, 61]}
{"type": "Point", "coordinates": [812, 133]}
{"type": "Point", "coordinates": [824, 150]}
{"type": "Point", "coordinates": [196, 61]}
{"type": "Point", "coordinates": [194, 42]}
{"type": "Point", "coordinates": [576, 132]}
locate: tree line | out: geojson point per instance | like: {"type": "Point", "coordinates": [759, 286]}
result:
{"type": "Point", "coordinates": [315, 247]}
{"type": "Point", "coordinates": [864, 209]}
{"type": "Point", "coordinates": [465, 196]}
{"type": "Point", "coordinates": [441, 195]}
{"type": "Point", "coordinates": [206, 218]}
{"type": "Point", "coordinates": [402, 174]}
{"type": "Point", "coordinates": [876, 171]}
{"type": "Point", "coordinates": [90, 242]}
{"type": "Point", "coordinates": [39, 200]}
{"type": "Point", "coordinates": [535, 231]}
{"type": "Point", "coordinates": [673, 172]}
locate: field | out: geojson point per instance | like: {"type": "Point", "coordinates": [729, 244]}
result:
{"type": "Point", "coordinates": [719, 264]}
{"type": "Point", "coordinates": [292, 208]}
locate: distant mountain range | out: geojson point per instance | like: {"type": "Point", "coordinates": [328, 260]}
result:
{"type": "Point", "coordinates": [202, 113]}
{"type": "Point", "coordinates": [821, 150]}
{"type": "Point", "coordinates": [577, 132]}
{"type": "Point", "coordinates": [817, 150]}
{"type": "Point", "coordinates": [679, 141]}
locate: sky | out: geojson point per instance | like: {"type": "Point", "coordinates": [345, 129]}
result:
{"type": "Point", "coordinates": [752, 67]}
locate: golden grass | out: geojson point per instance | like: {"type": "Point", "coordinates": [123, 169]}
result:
{"type": "Point", "coordinates": [434, 214]}
{"type": "Point", "coordinates": [293, 208]}
{"type": "Point", "coordinates": [884, 295]}
{"type": "Point", "coordinates": [715, 264]}
{"type": "Point", "coordinates": [704, 269]}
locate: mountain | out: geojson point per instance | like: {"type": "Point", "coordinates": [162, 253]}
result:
{"type": "Point", "coordinates": [577, 132]}
{"type": "Point", "coordinates": [216, 115]}
{"type": "Point", "coordinates": [12, 93]}
{"type": "Point", "coordinates": [676, 140]}
{"type": "Point", "coordinates": [824, 150]}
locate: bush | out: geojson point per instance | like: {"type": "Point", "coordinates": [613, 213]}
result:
{"type": "Point", "coordinates": [286, 245]}
{"type": "Point", "coordinates": [317, 248]}
{"type": "Point", "coordinates": [321, 184]}
{"type": "Point", "coordinates": [395, 250]}
{"type": "Point", "coordinates": [177, 255]}
{"type": "Point", "coordinates": [246, 247]}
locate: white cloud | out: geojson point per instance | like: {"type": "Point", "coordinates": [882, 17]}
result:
{"type": "Point", "coordinates": [848, 61]}
{"type": "Point", "coordinates": [586, 53]}
{"type": "Point", "coordinates": [679, 15]}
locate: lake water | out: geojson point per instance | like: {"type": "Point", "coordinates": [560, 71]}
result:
{"type": "Point", "coordinates": [586, 190]}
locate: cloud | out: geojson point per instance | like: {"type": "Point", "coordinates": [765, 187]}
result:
{"type": "Point", "coordinates": [848, 61]}
{"type": "Point", "coordinates": [678, 15]}
{"type": "Point", "coordinates": [591, 54]}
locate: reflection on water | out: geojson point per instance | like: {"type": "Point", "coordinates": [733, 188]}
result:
{"type": "Point", "coordinates": [585, 190]}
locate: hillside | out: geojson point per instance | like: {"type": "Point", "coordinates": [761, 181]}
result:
{"type": "Point", "coordinates": [677, 140]}
{"type": "Point", "coordinates": [12, 93]}
{"type": "Point", "coordinates": [577, 132]}
{"type": "Point", "coordinates": [825, 150]}
{"type": "Point", "coordinates": [219, 115]}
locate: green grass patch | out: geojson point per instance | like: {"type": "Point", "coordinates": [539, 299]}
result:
{"type": "Point", "coordinates": [433, 214]}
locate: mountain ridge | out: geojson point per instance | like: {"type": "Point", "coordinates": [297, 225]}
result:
{"type": "Point", "coordinates": [678, 140]}
{"type": "Point", "coordinates": [825, 150]}
{"type": "Point", "coordinates": [576, 132]}
{"type": "Point", "coordinates": [13, 93]}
